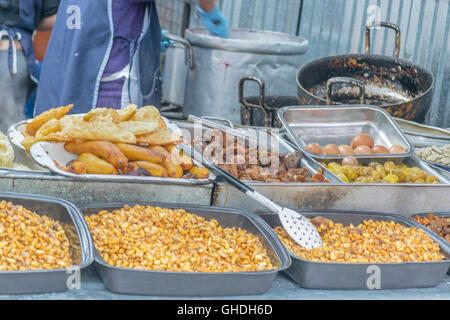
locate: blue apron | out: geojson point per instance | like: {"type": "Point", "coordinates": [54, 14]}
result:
{"type": "Point", "coordinates": [76, 58]}
{"type": "Point", "coordinates": [30, 14]}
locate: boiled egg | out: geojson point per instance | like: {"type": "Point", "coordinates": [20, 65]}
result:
{"type": "Point", "coordinates": [362, 139]}
{"type": "Point", "coordinates": [314, 148]}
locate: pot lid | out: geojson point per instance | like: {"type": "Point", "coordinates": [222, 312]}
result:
{"type": "Point", "coordinates": [250, 41]}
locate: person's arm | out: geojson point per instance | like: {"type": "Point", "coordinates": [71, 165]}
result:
{"type": "Point", "coordinates": [46, 23]}
{"type": "Point", "coordinates": [48, 14]}
{"type": "Point", "coordinates": [207, 5]}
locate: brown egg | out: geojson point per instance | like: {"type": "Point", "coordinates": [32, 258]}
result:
{"type": "Point", "coordinates": [379, 149]}
{"type": "Point", "coordinates": [363, 149]}
{"type": "Point", "coordinates": [350, 161]}
{"type": "Point", "coordinates": [331, 149]}
{"type": "Point", "coordinates": [314, 148]}
{"type": "Point", "coordinates": [345, 149]}
{"type": "Point", "coordinates": [362, 139]}
{"type": "Point", "coordinates": [396, 149]}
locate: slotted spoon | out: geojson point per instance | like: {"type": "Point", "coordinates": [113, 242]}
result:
{"type": "Point", "coordinates": [297, 226]}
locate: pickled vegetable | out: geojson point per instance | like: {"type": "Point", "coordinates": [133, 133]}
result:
{"type": "Point", "coordinates": [376, 172]}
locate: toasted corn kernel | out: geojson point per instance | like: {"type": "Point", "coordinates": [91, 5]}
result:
{"type": "Point", "coordinates": [174, 240]}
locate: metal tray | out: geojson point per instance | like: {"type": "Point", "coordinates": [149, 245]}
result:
{"type": "Point", "coordinates": [189, 131]}
{"type": "Point", "coordinates": [412, 161]}
{"type": "Point", "coordinates": [142, 282]}
{"type": "Point", "coordinates": [40, 153]}
{"type": "Point", "coordinates": [320, 275]}
{"type": "Point", "coordinates": [422, 135]}
{"type": "Point", "coordinates": [54, 280]}
{"type": "Point", "coordinates": [339, 125]}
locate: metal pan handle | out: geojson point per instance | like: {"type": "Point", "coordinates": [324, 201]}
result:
{"type": "Point", "coordinates": [189, 56]}
{"type": "Point", "coordinates": [262, 97]}
{"type": "Point", "coordinates": [386, 25]}
{"type": "Point", "coordinates": [262, 90]}
{"type": "Point", "coordinates": [348, 81]}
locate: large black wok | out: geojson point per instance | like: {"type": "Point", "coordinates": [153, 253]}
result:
{"type": "Point", "coordinates": [401, 87]}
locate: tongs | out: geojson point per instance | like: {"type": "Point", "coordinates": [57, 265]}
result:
{"type": "Point", "coordinates": [296, 225]}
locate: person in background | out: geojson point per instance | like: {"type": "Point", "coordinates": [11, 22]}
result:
{"type": "Point", "coordinates": [18, 20]}
{"type": "Point", "coordinates": [106, 53]}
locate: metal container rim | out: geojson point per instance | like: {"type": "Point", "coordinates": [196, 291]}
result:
{"type": "Point", "coordinates": [290, 45]}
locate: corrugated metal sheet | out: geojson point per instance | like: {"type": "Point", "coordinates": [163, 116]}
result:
{"type": "Point", "coordinates": [337, 26]}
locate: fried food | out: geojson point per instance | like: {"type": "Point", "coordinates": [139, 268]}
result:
{"type": "Point", "coordinates": [139, 127]}
{"type": "Point", "coordinates": [127, 113]}
{"type": "Point", "coordinates": [439, 225]}
{"type": "Point", "coordinates": [155, 170]}
{"type": "Point", "coordinates": [29, 141]}
{"type": "Point", "coordinates": [199, 172]}
{"type": "Point", "coordinates": [31, 241]}
{"type": "Point", "coordinates": [138, 172]}
{"type": "Point", "coordinates": [136, 153]}
{"type": "Point", "coordinates": [252, 163]}
{"type": "Point", "coordinates": [55, 113]}
{"type": "Point", "coordinates": [77, 129]}
{"type": "Point", "coordinates": [178, 157]}
{"type": "Point", "coordinates": [6, 152]}
{"type": "Point", "coordinates": [174, 170]}
{"type": "Point", "coordinates": [96, 165]}
{"type": "Point", "coordinates": [51, 126]}
{"type": "Point", "coordinates": [74, 166]}
{"type": "Point", "coordinates": [159, 137]}
{"type": "Point", "coordinates": [104, 149]}
{"type": "Point", "coordinates": [102, 114]}
{"type": "Point", "coordinates": [147, 114]}
{"type": "Point", "coordinates": [153, 238]}
{"type": "Point", "coordinates": [106, 137]}
{"type": "Point", "coordinates": [369, 242]}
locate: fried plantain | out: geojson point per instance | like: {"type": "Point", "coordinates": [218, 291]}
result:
{"type": "Point", "coordinates": [96, 165]}
{"type": "Point", "coordinates": [104, 149]}
{"type": "Point", "coordinates": [155, 170]}
{"type": "Point", "coordinates": [174, 170]}
{"type": "Point", "coordinates": [136, 153]}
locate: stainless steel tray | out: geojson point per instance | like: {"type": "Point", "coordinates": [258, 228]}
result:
{"type": "Point", "coordinates": [319, 275]}
{"type": "Point", "coordinates": [422, 135]}
{"type": "Point", "coordinates": [142, 282]}
{"type": "Point", "coordinates": [189, 131]}
{"type": "Point", "coordinates": [40, 155]}
{"type": "Point", "coordinates": [412, 161]}
{"type": "Point", "coordinates": [54, 280]}
{"type": "Point", "coordinates": [339, 125]}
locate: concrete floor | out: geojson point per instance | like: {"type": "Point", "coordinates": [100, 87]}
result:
{"type": "Point", "coordinates": [282, 289]}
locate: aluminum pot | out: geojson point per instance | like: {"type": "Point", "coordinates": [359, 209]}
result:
{"type": "Point", "coordinates": [179, 59]}
{"type": "Point", "coordinates": [212, 86]}
{"type": "Point", "coordinates": [401, 87]}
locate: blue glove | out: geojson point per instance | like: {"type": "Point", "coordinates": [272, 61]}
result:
{"type": "Point", "coordinates": [215, 22]}
{"type": "Point", "coordinates": [165, 43]}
